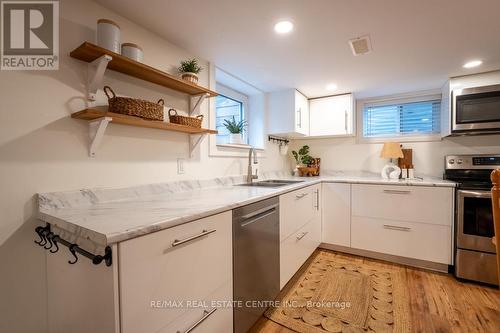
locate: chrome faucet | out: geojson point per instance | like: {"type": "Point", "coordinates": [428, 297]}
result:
{"type": "Point", "coordinates": [250, 176]}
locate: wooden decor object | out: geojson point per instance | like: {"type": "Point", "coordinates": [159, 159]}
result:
{"type": "Point", "coordinates": [406, 162]}
{"type": "Point", "coordinates": [495, 200]}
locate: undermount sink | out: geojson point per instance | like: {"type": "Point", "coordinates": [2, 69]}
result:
{"type": "Point", "coordinates": [272, 183]}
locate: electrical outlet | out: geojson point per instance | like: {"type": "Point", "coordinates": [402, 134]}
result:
{"type": "Point", "coordinates": [180, 166]}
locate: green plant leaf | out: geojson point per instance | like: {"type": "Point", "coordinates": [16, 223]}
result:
{"type": "Point", "coordinates": [190, 66]}
{"type": "Point", "coordinates": [302, 156]}
{"type": "Point", "coordinates": [235, 127]}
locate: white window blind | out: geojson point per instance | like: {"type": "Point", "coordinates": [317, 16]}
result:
{"type": "Point", "coordinates": [402, 119]}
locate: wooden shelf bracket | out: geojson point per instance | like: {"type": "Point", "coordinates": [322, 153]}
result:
{"type": "Point", "coordinates": [194, 141]}
{"type": "Point", "coordinates": [97, 128]}
{"type": "Point", "coordinates": [195, 102]}
{"type": "Point", "coordinates": [95, 75]}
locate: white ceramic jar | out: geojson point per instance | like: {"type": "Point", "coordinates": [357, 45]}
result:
{"type": "Point", "coordinates": [108, 35]}
{"type": "Point", "coordinates": [132, 51]}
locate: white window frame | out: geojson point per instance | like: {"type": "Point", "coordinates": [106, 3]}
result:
{"type": "Point", "coordinates": [395, 99]}
{"type": "Point", "coordinates": [226, 150]}
{"type": "Point", "coordinates": [239, 97]}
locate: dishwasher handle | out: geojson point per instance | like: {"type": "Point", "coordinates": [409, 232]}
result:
{"type": "Point", "coordinates": [257, 215]}
{"type": "Point", "coordinates": [259, 211]}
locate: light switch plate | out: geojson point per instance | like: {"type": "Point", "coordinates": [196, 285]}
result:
{"type": "Point", "coordinates": [180, 166]}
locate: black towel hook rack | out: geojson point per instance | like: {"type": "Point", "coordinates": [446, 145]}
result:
{"type": "Point", "coordinates": [278, 140]}
{"type": "Point", "coordinates": [50, 241]}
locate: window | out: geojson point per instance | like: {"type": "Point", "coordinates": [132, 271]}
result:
{"type": "Point", "coordinates": [410, 119]}
{"type": "Point", "coordinates": [225, 109]}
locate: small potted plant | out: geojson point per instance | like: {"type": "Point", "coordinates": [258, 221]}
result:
{"type": "Point", "coordinates": [189, 70]}
{"type": "Point", "coordinates": [236, 129]}
{"type": "Point", "coordinates": [302, 160]}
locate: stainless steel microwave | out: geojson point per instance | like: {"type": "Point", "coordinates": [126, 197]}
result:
{"type": "Point", "coordinates": [476, 110]}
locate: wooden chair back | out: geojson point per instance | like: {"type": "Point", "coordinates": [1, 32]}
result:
{"type": "Point", "coordinates": [495, 200]}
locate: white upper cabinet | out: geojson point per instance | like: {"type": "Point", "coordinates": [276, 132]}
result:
{"type": "Point", "coordinates": [331, 115]}
{"type": "Point", "coordinates": [289, 113]}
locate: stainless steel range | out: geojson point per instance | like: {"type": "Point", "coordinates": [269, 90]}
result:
{"type": "Point", "coordinates": [475, 254]}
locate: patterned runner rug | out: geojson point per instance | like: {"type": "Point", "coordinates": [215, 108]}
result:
{"type": "Point", "coordinates": [338, 295]}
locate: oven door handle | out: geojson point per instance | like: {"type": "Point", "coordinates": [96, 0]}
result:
{"type": "Point", "coordinates": [474, 194]}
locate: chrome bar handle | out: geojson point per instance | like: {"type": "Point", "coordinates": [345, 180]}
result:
{"type": "Point", "coordinates": [396, 227]}
{"type": "Point", "coordinates": [260, 211]}
{"type": "Point", "coordinates": [299, 123]}
{"type": "Point", "coordinates": [178, 242]}
{"type": "Point", "coordinates": [302, 235]}
{"type": "Point", "coordinates": [397, 192]}
{"type": "Point", "coordinates": [317, 199]}
{"type": "Point", "coordinates": [206, 314]}
{"type": "Point", "coordinates": [345, 120]}
{"type": "Point", "coordinates": [300, 196]}
{"type": "Point", "coordinates": [259, 217]}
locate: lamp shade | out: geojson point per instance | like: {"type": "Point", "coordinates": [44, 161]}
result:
{"type": "Point", "coordinates": [391, 150]}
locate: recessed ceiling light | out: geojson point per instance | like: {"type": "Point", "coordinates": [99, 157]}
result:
{"type": "Point", "coordinates": [331, 86]}
{"type": "Point", "coordinates": [472, 64]}
{"type": "Point", "coordinates": [283, 27]}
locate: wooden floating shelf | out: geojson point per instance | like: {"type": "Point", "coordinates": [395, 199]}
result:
{"type": "Point", "coordinates": [116, 118]}
{"type": "Point", "coordinates": [89, 52]}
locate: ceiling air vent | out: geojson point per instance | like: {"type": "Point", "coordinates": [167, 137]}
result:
{"type": "Point", "coordinates": [361, 45]}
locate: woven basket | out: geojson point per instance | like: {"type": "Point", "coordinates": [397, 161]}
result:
{"type": "Point", "coordinates": [182, 120]}
{"type": "Point", "coordinates": [133, 106]}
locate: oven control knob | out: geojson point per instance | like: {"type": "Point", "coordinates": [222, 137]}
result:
{"type": "Point", "coordinates": [459, 162]}
{"type": "Point", "coordinates": [452, 161]}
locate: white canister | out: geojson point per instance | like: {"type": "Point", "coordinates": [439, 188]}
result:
{"type": "Point", "coordinates": [411, 173]}
{"type": "Point", "coordinates": [404, 173]}
{"type": "Point", "coordinates": [108, 35]}
{"type": "Point", "coordinates": [132, 51]}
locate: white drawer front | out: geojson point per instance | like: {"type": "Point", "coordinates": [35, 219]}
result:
{"type": "Point", "coordinates": [406, 239]}
{"type": "Point", "coordinates": [220, 320]}
{"type": "Point", "coordinates": [295, 250]}
{"type": "Point", "coordinates": [296, 209]}
{"type": "Point", "coordinates": [404, 203]}
{"type": "Point", "coordinates": [152, 269]}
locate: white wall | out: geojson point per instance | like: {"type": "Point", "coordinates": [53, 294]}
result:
{"type": "Point", "coordinates": [42, 149]}
{"type": "Point", "coordinates": [428, 157]}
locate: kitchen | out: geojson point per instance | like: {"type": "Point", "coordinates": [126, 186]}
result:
{"type": "Point", "coordinates": [89, 184]}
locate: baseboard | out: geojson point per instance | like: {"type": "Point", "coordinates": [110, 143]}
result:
{"type": "Point", "coordinates": [433, 266]}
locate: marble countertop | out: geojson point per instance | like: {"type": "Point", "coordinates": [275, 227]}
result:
{"type": "Point", "coordinates": [107, 216]}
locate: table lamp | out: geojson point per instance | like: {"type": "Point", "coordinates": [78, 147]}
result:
{"type": "Point", "coordinates": [391, 150]}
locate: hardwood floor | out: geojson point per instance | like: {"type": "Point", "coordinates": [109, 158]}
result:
{"type": "Point", "coordinates": [438, 303]}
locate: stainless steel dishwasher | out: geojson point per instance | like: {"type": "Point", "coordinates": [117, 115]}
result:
{"type": "Point", "coordinates": [256, 260]}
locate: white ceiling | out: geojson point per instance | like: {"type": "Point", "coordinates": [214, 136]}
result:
{"type": "Point", "coordinates": [417, 44]}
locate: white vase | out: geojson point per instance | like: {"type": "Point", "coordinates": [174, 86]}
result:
{"type": "Point", "coordinates": [236, 139]}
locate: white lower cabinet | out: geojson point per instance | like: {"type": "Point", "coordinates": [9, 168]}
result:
{"type": "Point", "coordinates": [296, 209]}
{"type": "Point", "coordinates": [190, 262]}
{"type": "Point", "coordinates": [300, 229]}
{"type": "Point", "coordinates": [336, 222]}
{"type": "Point", "coordinates": [295, 250]}
{"type": "Point", "coordinates": [406, 239]}
{"type": "Point", "coordinates": [404, 203]}
{"type": "Point", "coordinates": [414, 222]}
{"type": "Point", "coordinates": [214, 319]}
